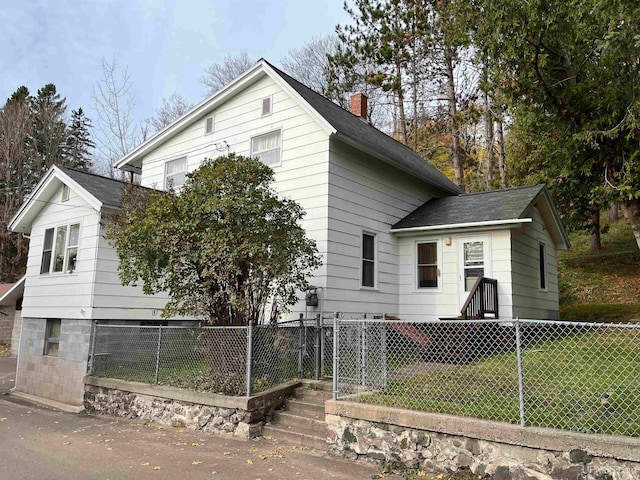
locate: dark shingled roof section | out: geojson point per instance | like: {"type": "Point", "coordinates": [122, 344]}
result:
{"type": "Point", "coordinates": [107, 190]}
{"type": "Point", "coordinates": [362, 133]}
{"type": "Point", "coordinates": [498, 205]}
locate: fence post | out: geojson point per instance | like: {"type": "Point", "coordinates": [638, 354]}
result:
{"type": "Point", "coordinates": [92, 354]}
{"type": "Point", "coordinates": [520, 379]}
{"type": "Point", "coordinates": [300, 346]}
{"type": "Point", "coordinates": [363, 352]}
{"type": "Point", "coordinates": [158, 353]}
{"type": "Point", "coordinates": [249, 357]}
{"type": "Point", "coordinates": [318, 342]}
{"type": "Point", "coordinates": [383, 342]}
{"type": "Point", "coordinates": [336, 353]}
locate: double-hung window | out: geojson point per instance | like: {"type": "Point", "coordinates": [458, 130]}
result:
{"type": "Point", "coordinates": [427, 265]}
{"type": "Point", "coordinates": [368, 276]}
{"type": "Point", "coordinates": [267, 148]}
{"type": "Point", "coordinates": [175, 173]}
{"type": "Point", "coordinates": [60, 249]}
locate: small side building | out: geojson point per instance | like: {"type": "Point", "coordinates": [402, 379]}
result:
{"type": "Point", "coordinates": [11, 314]}
{"type": "Point", "coordinates": [71, 281]}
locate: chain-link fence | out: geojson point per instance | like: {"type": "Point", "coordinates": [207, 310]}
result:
{"type": "Point", "coordinates": [582, 377]}
{"type": "Point", "coordinates": [229, 360]}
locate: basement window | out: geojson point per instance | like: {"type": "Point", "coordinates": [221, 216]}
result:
{"type": "Point", "coordinates": [52, 337]}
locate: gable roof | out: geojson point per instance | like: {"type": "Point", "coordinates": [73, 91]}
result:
{"type": "Point", "coordinates": [334, 119]}
{"type": "Point", "coordinates": [97, 191]}
{"type": "Point", "coordinates": [364, 136]}
{"type": "Point", "coordinates": [495, 208]}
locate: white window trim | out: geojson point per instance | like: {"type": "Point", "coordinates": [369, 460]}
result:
{"type": "Point", "coordinates": [213, 125]}
{"type": "Point", "coordinates": [254, 154]}
{"type": "Point", "coordinates": [488, 260]}
{"type": "Point", "coordinates": [376, 255]}
{"type": "Point", "coordinates": [427, 290]}
{"type": "Point", "coordinates": [546, 268]}
{"type": "Point", "coordinates": [66, 249]}
{"type": "Point", "coordinates": [262, 114]}
{"type": "Point", "coordinates": [166, 163]}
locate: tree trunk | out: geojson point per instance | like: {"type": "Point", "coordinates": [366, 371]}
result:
{"type": "Point", "coordinates": [596, 244]}
{"type": "Point", "coordinates": [613, 213]}
{"type": "Point", "coordinates": [631, 211]}
{"type": "Point", "coordinates": [403, 119]}
{"type": "Point", "coordinates": [488, 133]}
{"type": "Point", "coordinates": [502, 163]}
{"type": "Point", "coordinates": [456, 157]}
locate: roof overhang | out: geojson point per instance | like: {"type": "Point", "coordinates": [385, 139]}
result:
{"type": "Point", "coordinates": [456, 227]}
{"type": "Point", "coordinates": [132, 161]}
{"type": "Point", "coordinates": [41, 196]}
{"type": "Point", "coordinates": [551, 218]}
{"type": "Point", "coordinates": [13, 294]}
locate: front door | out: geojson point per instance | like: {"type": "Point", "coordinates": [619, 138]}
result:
{"type": "Point", "coordinates": [474, 263]}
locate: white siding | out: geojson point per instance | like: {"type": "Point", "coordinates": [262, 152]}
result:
{"type": "Point", "coordinates": [303, 173]}
{"type": "Point", "coordinates": [61, 295]}
{"type": "Point", "coordinates": [446, 300]}
{"type": "Point", "coordinates": [529, 301]}
{"type": "Point", "coordinates": [365, 195]}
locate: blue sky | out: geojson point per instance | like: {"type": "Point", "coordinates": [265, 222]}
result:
{"type": "Point", "coordinates": [166, 45]}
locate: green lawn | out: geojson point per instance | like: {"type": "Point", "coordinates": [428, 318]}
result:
{"type": "Point", "coordinates": [586, 382]}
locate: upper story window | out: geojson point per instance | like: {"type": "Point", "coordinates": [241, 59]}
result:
{"type": "Point", "coordinates": [65, 193]}
{"type": "Point", "coordinates": [267, 148]}
{"type": "Point", "coordinates": [208, 126]}
{"type": "Point", "coordinates": [427, 264]}
{"type": "Point", "coordinates": [266, 106]}
{"type": "Point", "coordinates": [542, 257]}
{"type": "Point", "coordinates": [175, 172]}
{"type": "Point", "coordinates": [368, 276]}
{"type": "Point", "coordinates": [60, 249]}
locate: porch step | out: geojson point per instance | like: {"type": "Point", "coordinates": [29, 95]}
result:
{"type": "Point", "coordinates": [292, 437]}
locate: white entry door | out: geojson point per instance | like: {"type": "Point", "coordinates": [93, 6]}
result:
{"type": "Point", "coordinates": [474, 261]}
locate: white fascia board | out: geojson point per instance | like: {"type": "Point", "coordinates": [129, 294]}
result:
{"type": "Point", "coordinates": [9, 293]}
{"type": "Point", "coordinates": [452, 226]}
{"type": "Point", "coordinates": [211, 102]}
{"type": "Point", "coordinates": [33, 204]}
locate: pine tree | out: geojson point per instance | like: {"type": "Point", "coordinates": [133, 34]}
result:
{"type": "Point", "coordinates": [78, 144]}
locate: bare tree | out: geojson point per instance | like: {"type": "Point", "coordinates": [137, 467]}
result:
{"type": "Point", "coordinates": [309, 63]}
{"type": "Point", "coordinates": [219, 74]}
{"type": "Point", "coordinates": [172, 108]}
{"type": "Point", "coordinates": [116, 132]}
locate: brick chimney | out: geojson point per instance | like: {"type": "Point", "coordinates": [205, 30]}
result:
{"type": "Point", "coordinates": [358, 105]}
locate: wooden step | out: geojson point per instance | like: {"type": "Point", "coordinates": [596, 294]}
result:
{"type": "Point", "coordinates": [314, 411]}
{"type": "Point", "coordinates": [324, 385]}
{"type": "Point", "coordinates": [290, 437]}
{"type": "Point", "coordinates": [313, 396]}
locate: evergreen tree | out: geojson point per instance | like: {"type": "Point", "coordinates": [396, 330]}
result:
{"type": "Point", "coordinates": [78, 145]}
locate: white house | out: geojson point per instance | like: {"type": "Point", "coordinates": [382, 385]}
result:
{"type": "Point", "coordinates": [395, 234]}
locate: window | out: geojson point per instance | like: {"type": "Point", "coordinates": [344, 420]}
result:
{"type": "Point", "coordinates": [266, 106]}
{"type": "Point", "coordinates": [368, 260]}
{"type": "Point", "coordinates": [60, 249]}
{"type": "Point", "coordinates": [473, 262]}
{"type": "Point", "coordinates": [208, 126]}
{"type": "Point", "coordinates": [52, 337]}
{"type": "Point", "coordinates": [65, 193]}
{"type": "Point", "coordinates": [427, 265]}
{"type": "Point", "coordinates": [542, 254]}
{"type": "Point", "coordinates": [175, 172]}
{"type": "Point", "coordinates": [267, 148]}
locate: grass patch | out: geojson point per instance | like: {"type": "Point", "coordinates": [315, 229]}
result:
{"type": "Point", "coordinates": [603, 286]}
{"type": "Point", "coordinates": [583, 382]}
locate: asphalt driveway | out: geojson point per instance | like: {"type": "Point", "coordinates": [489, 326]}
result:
{"type": "Point", "coordinates": [44, 444]}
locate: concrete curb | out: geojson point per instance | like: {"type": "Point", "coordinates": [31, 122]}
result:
{"type": "Point", "coordinates": [45, 402]}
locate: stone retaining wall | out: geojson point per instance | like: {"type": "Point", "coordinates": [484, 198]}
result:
{"type": "Point", "coordinates": [241, 417]}
{"type": "Point", "coordinates": [504, 451]}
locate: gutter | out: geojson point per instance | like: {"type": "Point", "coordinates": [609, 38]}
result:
{"type": "Point", "coordinates": [450, 226]}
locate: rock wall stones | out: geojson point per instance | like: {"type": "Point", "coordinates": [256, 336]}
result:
{"type": "Point", "coordinates": [223, 421]}
{"type": "Point", "coordinates": [432, 451]}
